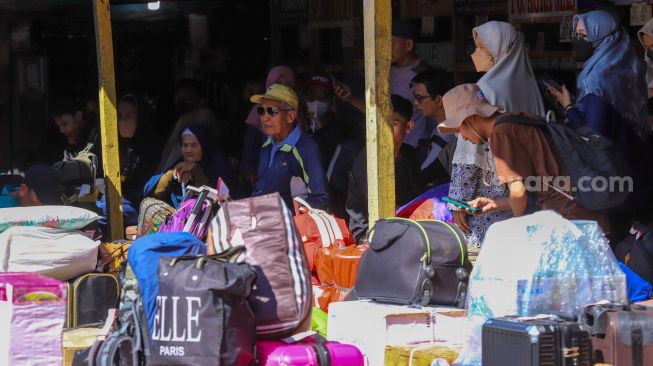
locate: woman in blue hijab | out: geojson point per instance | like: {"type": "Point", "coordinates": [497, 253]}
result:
{"type": "Point", "coordinates": [612, 95]}
{"type": "Point", "coordinates": [200, 164]}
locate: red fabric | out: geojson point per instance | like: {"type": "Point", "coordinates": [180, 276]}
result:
{"type": "Point", "coordinates": [310, 236]}
{"type": "Point", "coordinates": [337, 269]}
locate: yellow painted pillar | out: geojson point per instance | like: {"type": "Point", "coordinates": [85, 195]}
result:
{"type": "Point", "coordinates": [108, 117]}
{"type": "Point", "coordinates": [380, 149]}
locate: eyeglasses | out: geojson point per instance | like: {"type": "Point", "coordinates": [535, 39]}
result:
{"type": "Point", "coordinates": [420, 98]}
{"type": "Point", "coordinates": [272, 111]}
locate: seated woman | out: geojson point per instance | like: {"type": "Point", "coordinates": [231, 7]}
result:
{"type": "Point", "coordinates": [200, 164]}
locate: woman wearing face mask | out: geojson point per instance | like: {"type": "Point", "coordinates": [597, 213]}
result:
{"type": "Point", "coordinates": [508, 82]}
{"type": "Point", "coordinates": [645, 36]}
{"type": "Point", "coordinates": [612, 100]}
{"type": "Point", "coordinates": [199, 165]}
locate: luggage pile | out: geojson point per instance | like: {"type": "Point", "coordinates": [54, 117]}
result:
{"type": "Point", "coordinates": [562, 303]}
{"type": "Point", "coordinates": [247, 282]}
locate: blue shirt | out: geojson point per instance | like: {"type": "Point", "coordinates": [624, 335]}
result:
{"type": "Point", "coordinates": [296, 156]}
{"type": "Point", "coordinates": [290, 140]}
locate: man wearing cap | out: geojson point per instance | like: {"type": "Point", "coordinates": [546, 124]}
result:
{"type": "Point", "coordinates": [519, 151]}
{"type": "Point", "coordinates": [41, 186]}
{"type": "Point", "coordinates": [289, 162]}
{"type": "Point", "coordinates": [404, 66]}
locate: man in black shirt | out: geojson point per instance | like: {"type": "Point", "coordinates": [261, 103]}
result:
{"type": "Point", "coordinates": [407, 184]}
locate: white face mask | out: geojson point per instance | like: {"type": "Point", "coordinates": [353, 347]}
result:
{"type": "Point", "coordinates": [317, 109]}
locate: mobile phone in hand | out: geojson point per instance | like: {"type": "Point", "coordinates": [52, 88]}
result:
{"type": "Point", "coordinates": [460, 204]}
{"type": "Point", "coordinates": [549, 82]}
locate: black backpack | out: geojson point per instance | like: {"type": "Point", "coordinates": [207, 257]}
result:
{"type": "Point", "coordinates": [588, 157]}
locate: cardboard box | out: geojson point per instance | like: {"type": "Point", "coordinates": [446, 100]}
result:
{"type": "Point", "coordinates": [372, 326]}
{"type": "Point", "coordinates": [422, 354]}
{"type": "Point", "coordinates": [78, 339]}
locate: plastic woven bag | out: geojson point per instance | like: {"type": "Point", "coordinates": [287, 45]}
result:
{"type": "Point", "coordinates": [539, 264]}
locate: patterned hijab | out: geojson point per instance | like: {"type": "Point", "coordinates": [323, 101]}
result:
{"type": "Point", "coordinates": [614, 72]}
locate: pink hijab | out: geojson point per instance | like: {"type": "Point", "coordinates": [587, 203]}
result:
{"type": "Point", "coordinates": [278, 75]}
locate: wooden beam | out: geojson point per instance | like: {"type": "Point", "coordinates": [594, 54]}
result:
{"type": "Point", "coordinates": [108, 117]}
{"type": "Point", "coordinates": [380, 149]}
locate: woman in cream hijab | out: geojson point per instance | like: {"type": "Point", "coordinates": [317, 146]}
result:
{"type": "Point", "coordinates": [508, 82]}
{"type": "Point", "coordinates": [645, 36]}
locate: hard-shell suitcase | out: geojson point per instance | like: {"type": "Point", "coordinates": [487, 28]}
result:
{"type": "Point", "coordinates": [621, 335]}
{"type": "Point", "coordinates": [535, 342]}
{"type": "Point", "coordinates": [431, 254]}
{"type": "Point", "coordinates": [277, 353]}
{"type": "Point", "coordinates": [90, 297]}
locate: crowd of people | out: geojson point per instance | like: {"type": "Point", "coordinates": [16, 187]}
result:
{"type": "Point", "coordinates": [471, 136]}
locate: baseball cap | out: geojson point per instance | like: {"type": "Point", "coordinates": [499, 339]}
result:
{"type": "Point", "coordinates": [404, 28]}
{"type": "Point", "coordinates": [461, 102]}
{"type": "Point", "coordinates": [320, 79]}
{"type": "Point", "coordinates": [45, 181]}
{"type": "Point", "coordinates": [278, 92]}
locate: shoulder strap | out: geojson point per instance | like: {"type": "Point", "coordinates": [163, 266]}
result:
{"type": "Point", "coordinates": [439, 141]}
{"type": "Point", "coordinates": [524, 120]}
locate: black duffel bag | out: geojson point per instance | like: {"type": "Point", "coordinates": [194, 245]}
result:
{"type": "Point", "coordinates": [414, 262]}
{"type": "Point", "coordinates": [203, 315]}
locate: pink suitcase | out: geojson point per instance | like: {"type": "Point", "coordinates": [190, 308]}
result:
{"type": "Point", "coordinates": [277, 353]}
{"type": "Point", "coordinates": [32, 314]}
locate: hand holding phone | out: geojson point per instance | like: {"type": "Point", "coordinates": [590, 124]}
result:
{"type": "Point", "coordinates": [550, 83]}
{"type": "Point", "coordinates": [460, 204]}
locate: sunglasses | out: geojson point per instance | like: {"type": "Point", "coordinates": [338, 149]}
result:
{"type": "Point", "coordinates": [272, 111]}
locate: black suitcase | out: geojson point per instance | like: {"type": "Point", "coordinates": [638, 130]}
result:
{"type": "Point", "coordinates": [90, 297]}
{"type": "Point", "coordinates": [535, 342]}
{"type": "Point", "coordinates": [414, 262]}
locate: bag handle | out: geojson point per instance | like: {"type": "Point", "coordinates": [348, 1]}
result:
{"type": "Point", "coordinates": [230, 256]}
{"type": "Point", "coordinates": [388, 234]}
{"type": "Point", "coordinates": [299, 202]}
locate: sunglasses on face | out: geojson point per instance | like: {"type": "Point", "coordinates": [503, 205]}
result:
{"type": "Point", "coordinates": [272, 111]}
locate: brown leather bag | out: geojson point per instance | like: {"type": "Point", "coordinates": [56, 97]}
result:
{"type": "Point", "coordinates": [622, 335]}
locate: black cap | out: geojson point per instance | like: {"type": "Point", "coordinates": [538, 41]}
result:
{"type": "Point", "coordinates": [404, 28]}
{"type": "Point", "coordinates": [46, 183]}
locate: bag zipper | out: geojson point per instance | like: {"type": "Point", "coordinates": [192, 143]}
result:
{"type": "Point", "coordinates": [460, 243]}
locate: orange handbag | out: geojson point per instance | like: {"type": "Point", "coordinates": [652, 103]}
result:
{"type": "Point", "coordinates": [319, 230]}
{"type": "Point", "coordinates": [337, 268]}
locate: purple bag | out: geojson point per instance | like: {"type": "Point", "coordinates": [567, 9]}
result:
{"type": "Point", "coordinates": [191, 217]}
